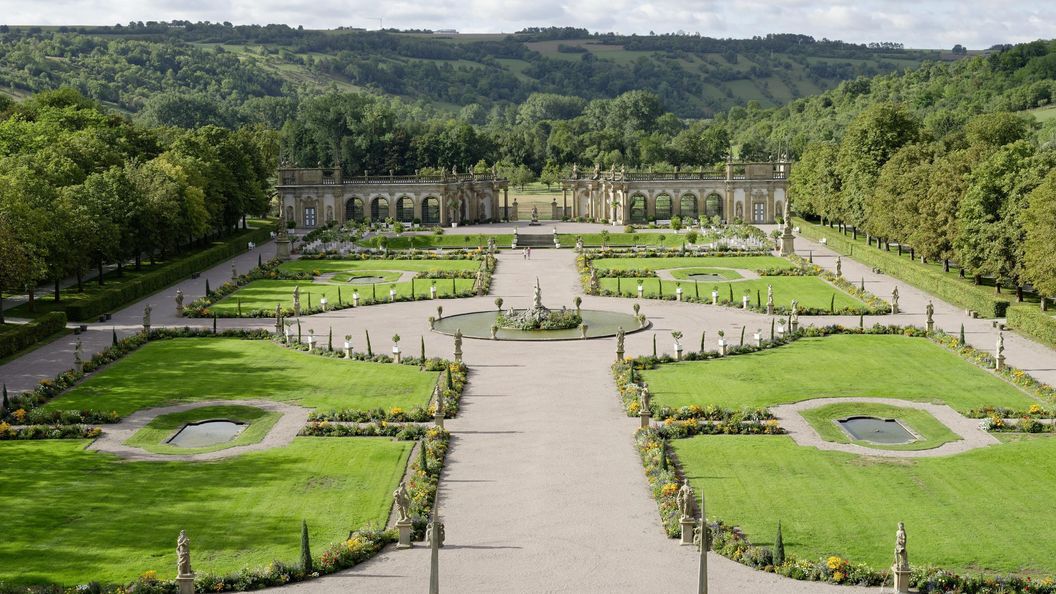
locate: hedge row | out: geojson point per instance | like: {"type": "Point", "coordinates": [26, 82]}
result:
{"type": "Point", "coordinates": [128, 291]}
{"type": "Point", "coordinates": [26, 335]}
{"type": "Point", "coordinates": [955, 291]}
{"type": "Point", "coordinates": [1031, 321]}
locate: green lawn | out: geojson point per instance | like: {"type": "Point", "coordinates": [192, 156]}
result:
{"type": "Point", "coordinates": [325, 266]}
{"type": "Point", "coordinates": [885, 366]}
{"type": "Point", "coordinates": [76, 516]}
{"type": "Point", "coordinates": [931, 433]}
{"type": "Point", "coordinates": [725, 273]}
{"type": "Point", "coordinates": [447, 240]}
{"type": "Point", "coordinates": [195, 369]}
{"type": "Point", "coordinates": [266, 294]}
{"type": "Point", "coordinates": [154, 436]}
{"type": "Point", "coordinates": [665, 239]}
{"type": "Point", "coordinates": [737, 262]}
{"type": "Point", "coordinates": [811, 291]}
{"type": "Point", "coordinates": [984, 510]}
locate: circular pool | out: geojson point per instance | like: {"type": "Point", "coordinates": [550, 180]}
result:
{"type": "Point", "coordinates": [600, 324]}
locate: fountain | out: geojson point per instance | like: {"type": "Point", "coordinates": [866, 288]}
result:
{"type": "Point", "coordinates": [872, 429]}
{"type": "Point", "coordinates": [206, 433]}
{"type": "Point", "coordinates": [538, 317]}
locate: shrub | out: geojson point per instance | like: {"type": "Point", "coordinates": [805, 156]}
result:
{"type": "Point", "coordinates": [1033, 322]}
{"type": "Point", "coordinates": [23, 336]}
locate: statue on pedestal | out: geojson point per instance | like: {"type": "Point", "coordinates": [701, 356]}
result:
{"type": "Point", "coordinates": [894, 300]}
{"type": "Point", "coordinates": [297, 300]}
{"type": "Point", "coordinates": [643, 398]}
{"type": "Point", "coordinates": [183, 555]}
{"type": "Point", "coordinates": [403, 502]}
{"type": "Point", "coordinates": [684, 499]}
{"type": "Point", "coordinates": [146, 315]}
{"type": "Point", "coordinates": [770, 297]}
{"type": "Point", "coordinates": [537, 295]}
{"type": "Point", "coordinates": [619, 340]}
{"type": "Point", "coordinates": [1000, 345]}
{"type": "Point", "coordinates": [839, 265]}
{"type": "Point", "coordinates": [901, 557]}
{"type": "Point", "coordinates": [597, 171]}
{"type": "Point", "coordinates": [179, 301]}
{"type": "Point", "coordinates": [930, 310]}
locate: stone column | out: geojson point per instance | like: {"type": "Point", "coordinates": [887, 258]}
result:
{"type": "Point", "coordinates": [506, 204]}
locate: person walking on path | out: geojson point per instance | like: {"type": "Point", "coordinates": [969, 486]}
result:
{"type": "Point", "coordinates": [524, 253]}
{"type": "Point", "coordinates": [529, 252]}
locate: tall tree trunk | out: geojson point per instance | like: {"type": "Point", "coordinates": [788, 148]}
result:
{"type": "Point", "coordinates": [1044, 307]}
{"type": "Point", "coordinates": [977, 279]}
{"type": "Point", "coordinates": [80, 280]}
{"type": "Point", "coordinates": [32, 304]}
{"type": "Point", "coordinates": [58, 294]}
{"type": "Point", "coordinates": [946, 266]}
{"type": "Point", "coordinates": [1019, 292]}
{"type": "Point", "coordinates": [120, 268]}
{"type": "Point", "coordinates": [100, 277]}
{"type": "Point", "coordinates": [139, 260]}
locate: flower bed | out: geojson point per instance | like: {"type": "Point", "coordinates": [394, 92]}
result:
{"type": "Point", "coordinates": [533, 319]}
{"type": "Point", "coordinates": [452, 384]}
{"type": "Point", "coordinates": [21, 432]}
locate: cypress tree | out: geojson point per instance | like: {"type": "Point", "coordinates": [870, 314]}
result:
{"type": "Point", "coordinates": [703, 335]}
{"type": "Point", "coordinates": [696, 289]}
{"type": "Point", "coordinates": [214, 322]}
{"type": "Point", "coordinates": [207, 291]}
{"type": "Point", "coordinates": [660, 282]}
{"type": "Point", "coordinates": [619, 286]}
{"type": "Point", "coordinates": [663, 456]}
{"type": "Point", "coordinates": [370, 352]}
{"type": "Point", "coordinates": [731, 292]}
{"type": "Point", "coordinates": [450, 381]}
{"type": "Point", "coordinates": [306, 552]}
{"type": "Point", "coordinates": [423, 349]}
{"type": "Point", "coordinates": [423, 462]}
{"type": "Point", "coordinates": [412, 288]}
{"type": "Point", "coordinates": [779, 547]}
{"type": "Point", "coordinates": [742, 335]}
{"type": "Point", "coordinates": [260, 261]}
{"type": "Point", "coordinates": [114, 337]}
{"type": "Point", "coordinates": [238, 302]}
{"type": "Point", "coordinates": [861, 321]}
{"type": "Point", "coordinates": [339, 294]}
{"type": "Point", "coordinates": [6, 402]}
{"type": "Point", "coordinates": [654, 346]}
{"type": "Point", "coordinates": [454, 291]}
{"type": "Point", "coordinates": [758, 298]}
{"type": "Point", "coordinates": [960, 340]}
{"type": "Point", "coordinates": [863, 284]}
{"type": "Point", "coordinates": [832, 303]}
{"type": "Point", "coordinates": [373, 292]}
{"type": "Point", "coordinates": [771, 330]}
{"type": "Point", "coordinates": [330, 340]}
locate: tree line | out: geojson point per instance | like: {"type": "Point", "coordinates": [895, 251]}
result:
{"type": "Point", "coordinates": [81, 188]}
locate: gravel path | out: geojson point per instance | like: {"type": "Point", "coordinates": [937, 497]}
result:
{"type": "Point", "coordinates": [282, 433]}
{"type": "Point", "coordinates": [802, 433]}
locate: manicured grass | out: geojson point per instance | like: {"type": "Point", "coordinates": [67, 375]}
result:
{"type": "Point", "coordinates": [387, 276]}
{"type": "Point", "coordinates": [195, 369]}
{"type": "Point", "coordinates": [265, 294]}
{"type": "Point", "coordinates": [84, 516]}
{"type": "Point", "coordinates": [984, 510]}
{"type": "Point", "coordinates": [668, 239]}
{"type": "Point", "coordinates": [811, 291]}
{"type": "Point", "coordinates": [325, 266]}
{"type": "Point", "coordinates": [736, 262]}
{"type": "Point", "coordinates": [884, 366]}
{"type": "Point", "coordinates": [154, 436]}
{"type": "Point", "coordinates": [931, 433]}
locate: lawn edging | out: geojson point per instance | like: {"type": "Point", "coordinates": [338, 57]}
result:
{"type": "Point", "coordinates": [962, 294]}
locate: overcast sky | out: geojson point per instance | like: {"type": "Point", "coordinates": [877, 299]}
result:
{"type": "Point", "coordinates": [976, 24]}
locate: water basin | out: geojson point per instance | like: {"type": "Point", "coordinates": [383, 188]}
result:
{"type": "Point", "coordinates": [206, 433]}
{"type": "Point", "coordinates": [600, 324]}
{"type": "Point", "coordinates": [366, 280]}
{"type": "Point", "coordinates": [707, 278]}
{"type": "Point", "coordinates": [885, 431]}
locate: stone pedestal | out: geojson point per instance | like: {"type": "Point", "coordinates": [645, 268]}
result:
{"type": "Point", "coordinates": [769, 309]}
{"type": "Point", "coordinates": [404, 529]}
{"type": "Point", "coordinates": [678, 353]}
{"type": "Point", "coordinates": [744, 302]}
{"type": "Point", "coordinates": [641, 290]}
{"type": "Point", "coordinates": [714, 298]}
{"type": "Point", "coordinates": [688, 526]}
{"type": "Point", "coordinates": [931, 326]}
{"type": "Point", "coordinates": [438, 420]}
{"type": "Point", "coordinates": [788, 242]}
{"type": "Point", "coordinates": [185, 584]}
{"type": "Point", "coordinates": [794, 324]}
{"type": "Point", "coordinates": [645, 416]}
{"type": "Point", "coordinates": [678, 293]}
{"type": "Point", "coordinates": [901, 579]}
{"type": "Point", "coordinates": [999, 363]}
{"type": "Point", "coordinates": [722, 348]}
{"type": "Point", "coordinates": [179, 310]}
{"type": "Point", "coordinates": [146, 329]}
{"type": "Point", "coordinates": [282, 249]}
{"type": "Point", "coordinates": [432, 292]}
{"type": "Point", "coordinates": [758, 339]}
{"type": "Point", "coordinates": [894, 308]}
{"type": "Point", "coordinates": [619, 355]}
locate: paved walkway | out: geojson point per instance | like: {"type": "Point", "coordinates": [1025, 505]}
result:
{"type": "Point", "coordinates": [971, 436]}
{"type": "Point", "coordinates": [543, 490]}
{"type": "Point", "coordinates": [281, 433]}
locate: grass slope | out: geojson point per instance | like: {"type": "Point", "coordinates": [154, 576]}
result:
{"type": "Point", "coordinates": [85, 516]}
{"type": "Point", "coordinates": [978, 511]}
{"type": "Point", "coordinates": [196, 369]}
{"type": "Point", "coordinates": [882, 366]}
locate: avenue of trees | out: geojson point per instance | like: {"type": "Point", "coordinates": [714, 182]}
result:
{"type": "Point", "coordinates": [80, 188]}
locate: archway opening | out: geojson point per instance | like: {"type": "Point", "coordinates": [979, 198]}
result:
{"type": "Point", "coordinates": [638, 209]}
{"type": "Point", "coordinates": [405, 209]}
{"type": "Point", "coordinates": [688, 206]}
{"type": "Point", "coordinates": [353, 210]}
{"type": "Point", "coordinates": [713, 206]}
{"type": "Point", "coordinates": [379, 209]}
{"type": "Point", "coordinates": [431, 211]}
{"type": "Point", "coordinates": [663, 207]}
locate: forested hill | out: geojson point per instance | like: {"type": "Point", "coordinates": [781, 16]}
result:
{"type": "Point", "coordinates": [240, 73]}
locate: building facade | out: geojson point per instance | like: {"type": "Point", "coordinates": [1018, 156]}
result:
{"type": "Point", "coordinates": [313, 197]}
{"type": "Point", "coordinates": [749, 192]}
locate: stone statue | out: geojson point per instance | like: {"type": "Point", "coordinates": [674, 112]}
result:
{"type": "Point", "coordinates": [77, 349]}
{"type": "Point", "coordinates": [458, 341]}
{"type": "Point", "coordinates": [930, 310]}
{"type": "Point", "coordinates": [593, 279]}
{"type": "Point", "coordinates": [439, 397]}
{"type": "Point", "coordinates": [535, 214]}
{"type": "Point", "coordinates": [403, 502]}
{"type": "Point", "coordinates": [1000, 345]}
{"type": "Point", "coordinates": [769, 296]}
{"type": "Point", "coordinates": [901, 558]}
{"type": "Point", "coordinates": [839, 265]}
{"type": "Point", "coordinates": [146, 315]}
{"type": "Point", "coordinates": [643, 397]}
{"type": "Point", "coordinates": [597, 171]}
{"type": "Point", "coordinates": [795, 311]}
{"type": "Point", "coordinates": [575, 171]}
{"type": "Point", "coordinates": [619, 339]}
{"type": "Point", "coordinates": [537, 295]}
{"type": "Point", "coordinates": [183, 555]}
{"type": "Point", "coordinates": [179, 301]}
{"type": "Point", "coordinates": [787, 215]}
{"type": "Point", "coordinates": [684, 499]}
{"type": "Point", "coordinates": [894, 299]}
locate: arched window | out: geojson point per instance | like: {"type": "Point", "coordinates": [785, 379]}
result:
{"type": "Point", "coordinates": [688, 206]}
{"type": "Point", "coordinates": [663, 207]}
{"type": "Point", "coordinates": [379, 209]}
{"type": "Point", "coordinates": [354, 209]}
{"type": "Point", "coordinates": [638, 209]}
{"type": "Point", "coordinates": [431, 211]}
{"type": "Point", "coordinates": [405, 209]}
{"type": "Point", "coordinates": [713, 205]}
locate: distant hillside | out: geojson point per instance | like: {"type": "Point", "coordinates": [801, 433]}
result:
{"type": "Point", "coordinates": [125, 66]}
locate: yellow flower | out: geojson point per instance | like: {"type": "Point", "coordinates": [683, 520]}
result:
{"type": "Point", "coordinates": [835, 562]}
{"type": "Point", "coordinates": [669, 489]}
{"type": "Point", "coordinates": [149, 576]}
{"type": "Point", "coordinates": [633, 407]}
{"type": "Point", "coordinates": [20, 415]}
{"type": "Point", "coordinates": [837, 576]}
{"type": "Point", "coordinates": [395, 411]}
{"type": "Point", "coordinates": [1035, 409]}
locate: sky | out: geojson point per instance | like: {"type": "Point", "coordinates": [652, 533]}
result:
{"type": "Point", "coordinates": [976, 24]}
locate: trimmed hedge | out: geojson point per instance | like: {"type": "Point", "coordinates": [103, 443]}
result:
{"type": "Point", "coordinates": [26, 335]}
{"type": "Point", "coordinates": [957, 292]}
{"type": "Point", "coordinates": [1031, 321]}
{"type": "Point", "coordinates": [126, 292]}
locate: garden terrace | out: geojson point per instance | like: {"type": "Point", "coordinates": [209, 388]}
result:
{"type": "Point", "coordinates": [110, 520]}
{"type": "Point", "coordinates": [198, 369]}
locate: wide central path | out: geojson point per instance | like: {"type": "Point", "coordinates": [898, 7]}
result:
{"type": "Point", "coordinates": [543, 490]}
